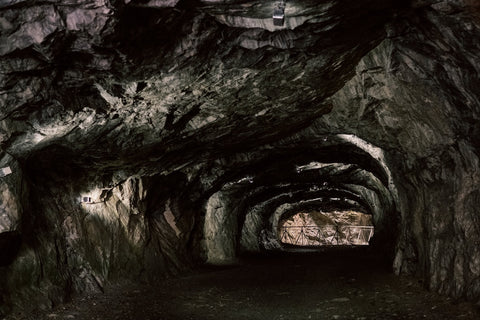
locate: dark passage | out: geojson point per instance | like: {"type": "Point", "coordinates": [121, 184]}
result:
{"type": "Point", "coordinates": [340, 284]}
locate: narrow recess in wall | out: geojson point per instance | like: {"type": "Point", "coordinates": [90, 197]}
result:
{"type": "Point", "coordinates": [316, 229]}
{"type": "Point", "coordinates": [171, 220]}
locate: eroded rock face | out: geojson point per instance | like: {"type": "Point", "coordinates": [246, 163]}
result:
{"type": "Point", "coordinates": [220, 231]}
{"type": "Point", "coordinates": [188, 124]}
{"type": "Point", "coordinates": [11, 194]}
{"type": "Point", "coordinates": [105, 71]}
{"type": "Point", "coordinates": [125, 230]}
{"type": "Point", "coordinates": [427, 149]}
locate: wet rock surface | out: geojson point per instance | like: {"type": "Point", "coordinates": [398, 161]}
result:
{"type": "Point", "coordinates": [328, 285]}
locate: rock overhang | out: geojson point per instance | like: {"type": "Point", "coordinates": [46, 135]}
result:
{"type": "Point", "coordinates": [152, 76]}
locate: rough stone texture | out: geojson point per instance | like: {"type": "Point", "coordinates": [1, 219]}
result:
{"type": "Point", "coordinates": [152, 108]}
{"type": "Point", "coordinates": [129, 231]}
{"type": "Point", "coordinates": [427, 134]}
{"type": "Point", "coordinates": [11, 196]}
{"type": "Point", "coordinates": [220, 231]}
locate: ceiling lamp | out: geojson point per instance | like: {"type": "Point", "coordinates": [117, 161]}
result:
{"type": "Point", "coordinates": [279, 14]}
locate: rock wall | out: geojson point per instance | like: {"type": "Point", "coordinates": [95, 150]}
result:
{"type": "Point", "coordinates": [13, 193]}
{"type": "Point", "coordinates": [423, 111]}
{"type": "Point", "coordinates": [129, 229]}
{"type": "Point", "coordinates": [220, 230]}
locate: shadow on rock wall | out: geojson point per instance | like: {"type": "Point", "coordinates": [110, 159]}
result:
{"type": "Point", "coordinates": [129, 229]}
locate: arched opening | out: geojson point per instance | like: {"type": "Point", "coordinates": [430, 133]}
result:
{"type": "Point", "coordinates": [331, 228]}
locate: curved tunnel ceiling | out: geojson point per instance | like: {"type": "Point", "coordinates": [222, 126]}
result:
{"type": "Point", "coordinates": [235, 96]}
{"type": "Point", "coordinates": [285, 181]}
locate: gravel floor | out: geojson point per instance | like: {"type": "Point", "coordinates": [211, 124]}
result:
{"type": "Point", "coordinates": [347, 284]}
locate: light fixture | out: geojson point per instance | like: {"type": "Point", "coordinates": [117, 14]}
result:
{"type": "Point", "coordinates": [279, 14]}
{"type": "Point", "coordinates": [86, 199]}
{"type": "Point", "coordinates": [5, 171]}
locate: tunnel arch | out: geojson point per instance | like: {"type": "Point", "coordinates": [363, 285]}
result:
{"type": "Point", "coordinates": [256, 190]}
{"type": "Point", "coordinates": [303, 227]}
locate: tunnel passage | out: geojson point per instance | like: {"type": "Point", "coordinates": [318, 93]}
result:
{"type": "Point", "coordinates": [333, 228]}
{"type": "Point", "coordinates": [251, 209]}
{"type": "Point", "coordinates": [188, 125]}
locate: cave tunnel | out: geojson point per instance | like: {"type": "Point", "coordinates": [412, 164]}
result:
{"type": "Point", "coordinates": [211, 159]}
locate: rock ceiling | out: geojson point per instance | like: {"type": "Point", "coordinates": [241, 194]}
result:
{"type": "Point", "coordinates": [157, 77]}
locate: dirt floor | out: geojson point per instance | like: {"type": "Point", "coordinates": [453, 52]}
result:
{"type": "Point", "coordinates": [330, 285]}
